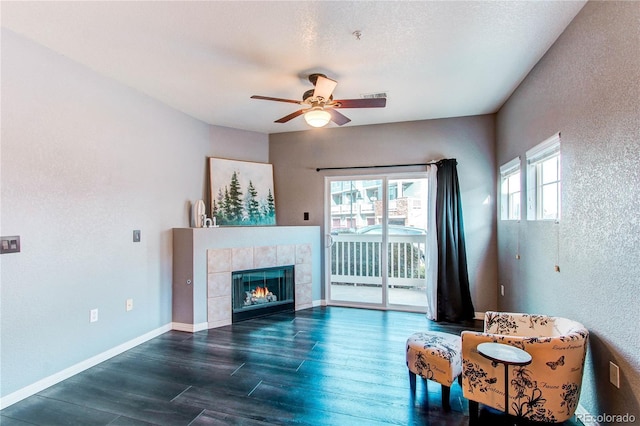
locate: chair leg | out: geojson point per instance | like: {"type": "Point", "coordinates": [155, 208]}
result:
{"type": "Point", "coordinates": [446, 391]}
{"type": "Point", "coordinates": [474, 409]}
{"type": "Point", "coordinates": [412, 382]}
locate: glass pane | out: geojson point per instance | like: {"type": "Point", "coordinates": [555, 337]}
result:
{"type": "Point", "coordinates": [260, 288]}
{"type": "Point", "coordinates": [514, 206]}
{"type": "Point", "coordinates": [514, 183]}
{"type": "Point", "coordinates": [550, 170]}
{"type": "Point", "coordinates": [357, 241]}
{"type": "Point", "coordinates": [510, 195]}
{"type": "Point", "coordinates": [407, 224]}
{"type": "Point", "coordinates": [549, 201]}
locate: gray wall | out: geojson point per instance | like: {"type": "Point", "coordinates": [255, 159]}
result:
{"type": "Point", "coordinates": [84, 162]}
{"type": "Point", "coordinates": [587, 87]}
{"type": "Point", "coordinates": [299, 188]}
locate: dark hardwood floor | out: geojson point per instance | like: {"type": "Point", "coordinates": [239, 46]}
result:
{"type": "Point", "coordinates": [320, 366]}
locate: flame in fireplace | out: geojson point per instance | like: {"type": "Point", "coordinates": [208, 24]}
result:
{"type": "Point", "coordinates": [260, 292]}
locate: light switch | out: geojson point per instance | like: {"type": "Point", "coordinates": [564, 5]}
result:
{"type": "Point", "coordinates": [136, 236]}
{"type": "Point", "coordinates": [10, 244]}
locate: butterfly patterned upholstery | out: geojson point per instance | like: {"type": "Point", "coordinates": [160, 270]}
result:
{"type": "Point", "coordinates": [546, 390]}
{"type": "Point", "coordinates": [435, 356]}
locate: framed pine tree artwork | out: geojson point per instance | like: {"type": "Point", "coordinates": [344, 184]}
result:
{"type": "Point", "coordinates": [241, 193]}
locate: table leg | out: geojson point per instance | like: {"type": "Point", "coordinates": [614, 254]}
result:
{"type": "Point", "coordinates": [506, 389]}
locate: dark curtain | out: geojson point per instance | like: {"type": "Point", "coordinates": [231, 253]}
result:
{"type": "Point", "coordinates": [454, 297]}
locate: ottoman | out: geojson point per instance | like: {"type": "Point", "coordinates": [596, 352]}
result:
{"type": "Point", "coordinates": [435, 356]}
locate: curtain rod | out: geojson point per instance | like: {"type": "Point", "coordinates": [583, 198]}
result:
{"type": "Point", "coordinates": [375, 167]}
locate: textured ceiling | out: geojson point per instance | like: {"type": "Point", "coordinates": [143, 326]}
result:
{"type": "Point", "coordinates": [206, 58]}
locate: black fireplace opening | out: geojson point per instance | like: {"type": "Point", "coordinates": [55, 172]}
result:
{"type": "Point", "coordinates": [260, 292]}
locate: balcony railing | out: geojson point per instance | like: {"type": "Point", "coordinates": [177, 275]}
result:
{"type": "Point", "coordinates": [355, 259]}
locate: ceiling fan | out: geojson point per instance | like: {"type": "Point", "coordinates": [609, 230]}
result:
{"type": "Point", "coordinates": [319, 105]}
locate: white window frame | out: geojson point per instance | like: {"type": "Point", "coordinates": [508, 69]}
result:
{"type": "Point", "coordinates": [507, 171]}
{"type": "Point", "coordinates": [535, 157]}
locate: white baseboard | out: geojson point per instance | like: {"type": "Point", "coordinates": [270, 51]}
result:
{"type": "Point", "coordinates": [42, 384]}
{"type": "Point", "coordinates": [317, 303]}
{"type": "Point", "coordinates": [479, 316]}
{"type": "Point", "coordinates": [189, 328]}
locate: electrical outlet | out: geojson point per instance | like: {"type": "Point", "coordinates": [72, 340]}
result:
{"type": "Point", "coordinates": [93, 317]}
{"type": "Point", "coordinates": [614, 374]}
{"type": "Point", "coordinates": [129, 304]}
{"type": "Point", "coordinates": [501, 290]}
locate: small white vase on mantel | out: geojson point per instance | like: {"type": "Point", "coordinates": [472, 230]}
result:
{"type": "Point", "coordinates": [198, 212]}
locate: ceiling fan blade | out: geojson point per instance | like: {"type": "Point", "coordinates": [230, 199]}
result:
{"type": "Point", "coordinates": [268, 98]}
{"type": "Point", "coordinates": [337, 117]}
{"type": "Point", "coordinates": [290, 116]}
{"type": "Point", "coordinates": [324, 87]}
{"type": "Point", "coordinates": [361, 103]}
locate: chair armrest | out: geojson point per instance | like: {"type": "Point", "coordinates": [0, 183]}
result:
{"type": "Point", "coordinates": [482, 381]}
{"type": "Point", "coordinates": [552, 380]}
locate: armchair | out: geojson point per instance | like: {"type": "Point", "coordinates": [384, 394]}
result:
{"type": "Point", "coordinates": [548, 388]}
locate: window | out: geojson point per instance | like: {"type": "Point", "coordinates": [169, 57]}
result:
{"type": "Point", "coordinates": [510, 190]}
{"type": "Point", "coordinates": [393, 191]}
{"type": "Point", "coordinates": [544, 180]}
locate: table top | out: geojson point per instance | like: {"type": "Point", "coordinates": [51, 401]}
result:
{"type": "Point", "coordinates": [505, 354]}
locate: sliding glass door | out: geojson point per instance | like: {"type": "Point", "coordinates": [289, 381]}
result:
{"type": "Point", "coordinates": [376, 241]}
{"type": "Point", "coordinates": [407, 241]}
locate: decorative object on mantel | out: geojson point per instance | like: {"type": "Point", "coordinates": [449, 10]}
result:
{"type": "Point", "coordinates": [197, 214]}
{"type": "Point", "coordinates": [199, 217]}
{"type": "Point", "coordinates": [241, 193]}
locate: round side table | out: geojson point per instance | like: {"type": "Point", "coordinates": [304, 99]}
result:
{"type": "Point", "coordinates": [506, 355]}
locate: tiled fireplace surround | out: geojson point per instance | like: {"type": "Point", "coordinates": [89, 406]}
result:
{"type": "Point", "coordinates": [204, 258]}
{"type": "Point", "coordinates": [221, 262]}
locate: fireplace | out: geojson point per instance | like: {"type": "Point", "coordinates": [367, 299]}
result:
{"type": "Point", "coordinates": [259, 292]}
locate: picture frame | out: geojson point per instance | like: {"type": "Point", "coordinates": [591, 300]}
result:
{"type": "Point", "coordinates": [241, 193]}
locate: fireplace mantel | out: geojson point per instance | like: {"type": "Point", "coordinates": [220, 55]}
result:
{"type": "Point", "coordinates": [203, 257]}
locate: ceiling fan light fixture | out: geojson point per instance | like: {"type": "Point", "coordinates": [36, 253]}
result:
{"type": "Point", "coordinates": [317, 117]}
